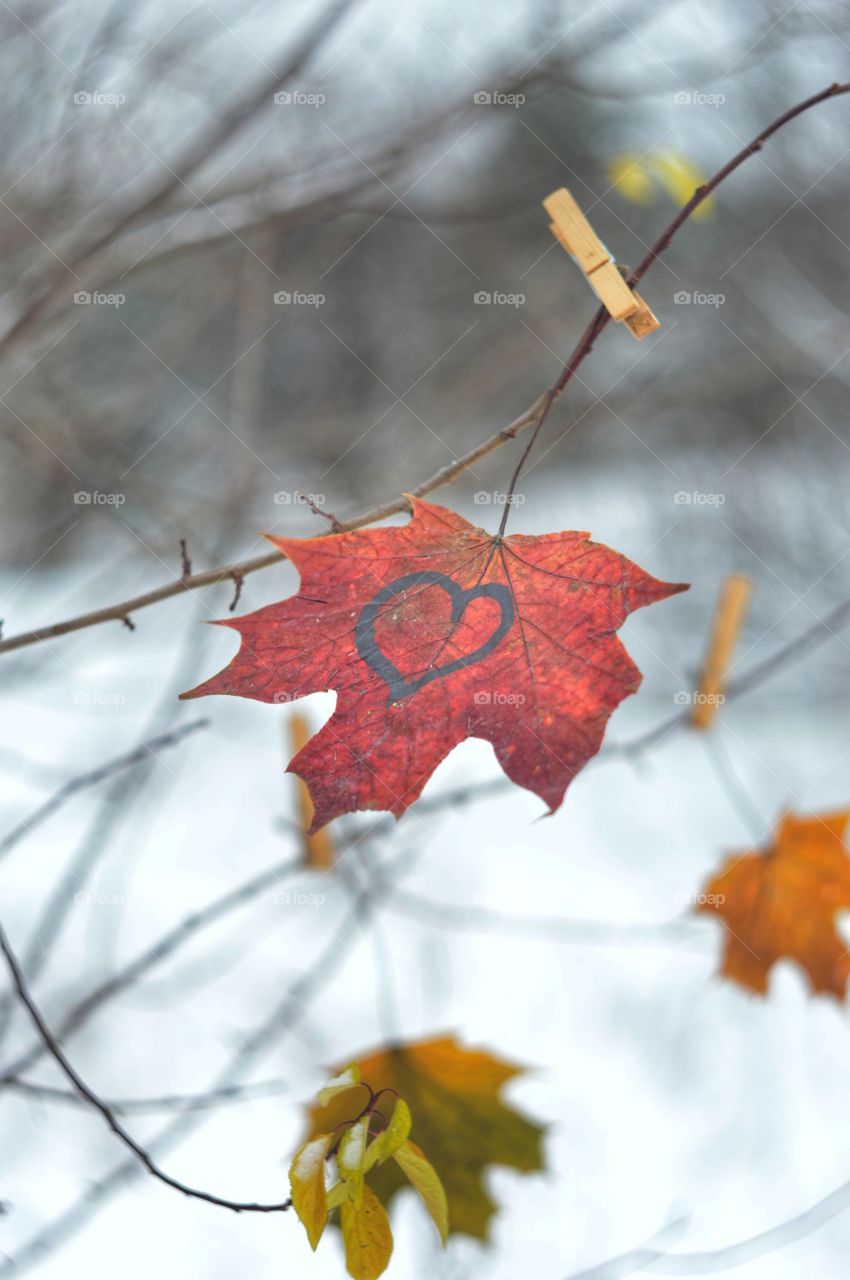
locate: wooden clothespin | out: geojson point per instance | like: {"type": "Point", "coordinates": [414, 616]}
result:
{"type": "Point", "coordinates": [729, 616]}
{"type": "Point", "coordinates": [317, 849]}
{"type": "Point", "coordinates": [571, 229]}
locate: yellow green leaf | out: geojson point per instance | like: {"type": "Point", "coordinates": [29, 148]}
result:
{"type": "Point", "coordinates": [425, 1179]}
{"type": "Point", "coordinates": [367, 1236]}
{"type": "Point", "coordinates": [396, 1132]}
{"type": "Point", "coordinates": [307, 1180]}
{"type": "Point", "coordinates": [628, 176]}
{"type": "Point", "coordinates": [350, 1076]}
{"type": "Point", "coordinates": [351, 1157]}
{"type": "Point", "coordinates": [339, 1191]}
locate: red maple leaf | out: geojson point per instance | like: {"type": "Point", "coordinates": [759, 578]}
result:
{"type": "Point", "coordinates": [436, 632]}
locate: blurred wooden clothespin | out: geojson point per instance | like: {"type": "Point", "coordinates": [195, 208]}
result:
{"type": "Point", "coordinates": [318, 849]}
{"type": "Point", "coordinates": [571, 229]}
{"type": "Point", "coordinates": [729, 618]}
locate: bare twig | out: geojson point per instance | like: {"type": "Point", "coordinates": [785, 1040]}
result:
{"type": "Point", "coordinates": [88, 1095]}
{"type": "Point", "coordinates": [626, 1264]}
{"type": "Point", "coordinates": [93, 777]}
{"type": "Point", "coordinates": [238, 583]}
{"type": "Point", "coordinates": [181, 169]}
{"type": "Point", "coordinates": [555, 929]}
{"type": "Point", "coordinates": [534, 416]}
{"type": "Point", "coordinates": [153, 956]}
{"type": "Point", "coordinates": [820, 631]}
{"type": "Point", "coordinates": [234, 572]}
{"type": "Point", "coordinates": [713, 1261]}
{"type": "Point", "coordinates": [166, 1102]}
{"type": "Point", "coordinates": [601, 319]}
{"type": "Point", "coordinates": [282, 1018]}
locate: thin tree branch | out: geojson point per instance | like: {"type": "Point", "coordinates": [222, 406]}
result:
{"type": "Point", "coordinates": [236, 572]}
{"type": "Point", "coordinates": [713, 1261]}
{"type": "Point", "coordinates": [813, 636]}
{"type": "Point", "coordinates": [555, 929]}
{"type": "Point", "coordinates": [181, 169]}
{"type": "Point", "coordinates": [283, 1017]}
{"type": "Point", "coordinates": [166, 1102]}
{"type": "Point", "coordinates": [534, 417]}
{"type": "Point", "coordinates": [85, 780]}
{"type": "Point", "coordinates": [626, 1264]}
{"type": "Point", "coordinates": [153, 956]}
{"type": "Point", "coordinates": [602, 318]}
{"type": "Point", "coordinates": [88, 1095]}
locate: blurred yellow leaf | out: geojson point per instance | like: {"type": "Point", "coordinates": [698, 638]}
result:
{"type": "Point", "coordinates": [367, 1236]}
{"type": "Point", "coordinates": [423, 1176]}
{"type": "Point", "coordinates": [627, 175]}
{"type": "Point", "coordinates": [459, 1120]}
{"type": "Point", "coordinates": [681, 179]}
{"type": "Point", "coordinates": [307, 1180]}
{"type": "Point", "coordinates": [637, 178]}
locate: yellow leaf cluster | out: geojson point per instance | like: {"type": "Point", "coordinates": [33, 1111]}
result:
{"type": "Point", "coordinates": [354, 1152]}
{"type": "Point", "coordinates": [639, 177]}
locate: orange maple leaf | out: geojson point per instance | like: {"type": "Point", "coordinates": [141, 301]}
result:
{"type": "Point", "coordinates": [780, 903]}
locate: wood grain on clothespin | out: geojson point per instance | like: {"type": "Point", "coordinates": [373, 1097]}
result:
{"type": "Point", "coordinates": [729, 616]}
{"type": "Point", "coordinates": [573, 231]}
{"type": "Point", "coordinates": [643, 321]}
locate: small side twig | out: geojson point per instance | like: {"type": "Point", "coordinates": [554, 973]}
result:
{"type": "Point", "coordinates": [336, 525]}
{"type": "Point", "coordinates": [238, 581]}
{"type": "Point", "coordinates": [185, 560]}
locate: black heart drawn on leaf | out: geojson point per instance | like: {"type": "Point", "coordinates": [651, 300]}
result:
{"type": "Point", "coordinates": [461, 598]}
